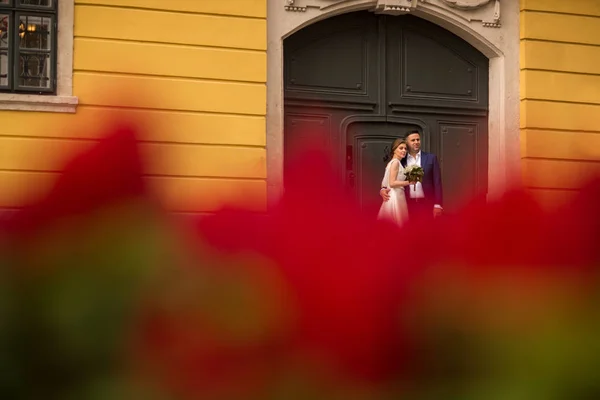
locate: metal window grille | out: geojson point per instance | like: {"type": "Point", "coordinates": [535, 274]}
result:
{"type": "Point", "coordinates": [28, 44]}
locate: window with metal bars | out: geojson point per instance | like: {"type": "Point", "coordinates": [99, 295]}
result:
{"type": "Point", "coordinates": [28, 46]}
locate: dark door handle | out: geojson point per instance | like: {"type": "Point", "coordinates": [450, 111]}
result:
{"type": "Point", "coordinates": [351, 179]}
{"type": "Point", "coordinates": [349, 158]}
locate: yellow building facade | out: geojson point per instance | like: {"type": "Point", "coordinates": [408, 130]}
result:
{"type": "Point", "coordinates": [560, 95]}
{"type": "Point", "coordinates": [199, 72]}
{"type": "Point", "coordinates": [195, 71]}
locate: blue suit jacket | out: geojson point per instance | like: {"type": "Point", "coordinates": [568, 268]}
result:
{"type": "Point", "coordinates": [432, 180]}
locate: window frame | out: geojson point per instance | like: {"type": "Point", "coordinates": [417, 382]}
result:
{"type": "Point", "coordinates": [52, 56]}
{"type": "Point", "coordinates": [33, 6]}
{"type": "Point", "coordinates": [16, 10]}
{"type": "Point", "coordinates": [62, 101]}
{"type": "Point", "coordinates": [10, 65]}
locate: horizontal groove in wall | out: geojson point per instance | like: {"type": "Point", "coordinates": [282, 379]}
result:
{"type": "Point", "coordinates": [169, 11]}
{"type": "Point", "coordinates": [560, 72]}
{"type": "Point", "coordinates": [572, 14]}
{"type": "Point", "coordinates": [162, 176]}
{"type": "Point", "coordinates": [237, 49]}
{"type": "Point", "coordinates": [183, 78]}
{"type": "Point", "coordinates": [169, 110]}
{"type": "Point", "coordinates": [560, 41]}
{"type": "Point", "coordinates": [574, 131]}
{"type": "Point", "coordinates": [141, 141]}
{"type": "Point", "coordinates": [560, 101]}
{"type": "Point", "coordinates": [563, 160]}
{"type": "Point", "coordinates": [552, 189]}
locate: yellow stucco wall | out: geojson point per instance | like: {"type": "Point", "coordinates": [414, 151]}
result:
{"type": "Point", "coordinates": [202, 67]}
{"type": "Point", "coordinates": [560, 95]}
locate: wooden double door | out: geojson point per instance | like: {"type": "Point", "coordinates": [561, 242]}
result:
{"type": "Point", "coordinates": [356, 82]}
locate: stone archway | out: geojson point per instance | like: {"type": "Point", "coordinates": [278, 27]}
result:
{"type": "Point", "coordinates": [494, 31]}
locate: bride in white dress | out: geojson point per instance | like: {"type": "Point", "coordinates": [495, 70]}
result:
{"type": "Point", "coordinates": [395, 208]}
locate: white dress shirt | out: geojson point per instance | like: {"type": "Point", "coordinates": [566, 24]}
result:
{"type": "Point", "coordinates": [416, 191]}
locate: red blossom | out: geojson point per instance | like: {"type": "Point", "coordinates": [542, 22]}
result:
{"type": "Point", "coordinates": [324, 284]}
{"type": "Point", "coordinates": [346, 272]}
{"type": "Point", "coordinates": [108, 173]}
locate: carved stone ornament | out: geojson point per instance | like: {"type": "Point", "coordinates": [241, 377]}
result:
{"type": "Point", "coordinates": [466, 4]}
{"type": "Point", "coordinates": [397, 7]}
{"type": "Point", "coordinates": [302, 5]}
{"type": "Point", "coordinates": [493, 22]}
{"type": "Point", "coordinates": [485, 11]}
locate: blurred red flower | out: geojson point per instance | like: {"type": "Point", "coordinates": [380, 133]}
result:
{"type": "Point", "coordinates": [313, 296]}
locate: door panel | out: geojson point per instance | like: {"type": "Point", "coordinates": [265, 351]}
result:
{"type": "Point", "coordinates": [336, 61]}
{"type": "Point", "coordinates": [458, 159]}
{"type": "Point", "coordinates": [311, 70]}
{"type": "Point", "coordinates": [463, 159]}
{"type": "Point", "coordinates": [305, 128]}
{"type": "Point", "coordinates": [448, 76]}
{"type": "Point", "coordinates": [428, 66]}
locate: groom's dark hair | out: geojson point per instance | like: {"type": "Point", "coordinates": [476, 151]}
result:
{"type": "Point", "coordinates": [410, 132]}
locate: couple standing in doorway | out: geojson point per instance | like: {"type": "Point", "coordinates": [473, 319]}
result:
{"type": "Point", "coordinates": [403, 199]}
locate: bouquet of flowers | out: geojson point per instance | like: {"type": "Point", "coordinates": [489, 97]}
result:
{"type": "Point", "coordinates": [414, 173]}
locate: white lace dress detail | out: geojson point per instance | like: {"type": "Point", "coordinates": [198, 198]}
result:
{"type": "Point", "coordinates": [395, 208]}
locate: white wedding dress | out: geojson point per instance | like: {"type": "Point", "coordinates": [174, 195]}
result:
{"type": "Point", "coordinates": [395, 208]}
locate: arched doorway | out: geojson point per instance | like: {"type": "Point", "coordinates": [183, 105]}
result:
{"type": "Point", "coordinates": [359, 80]}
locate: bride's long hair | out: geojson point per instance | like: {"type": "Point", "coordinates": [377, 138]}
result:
{"type": "Point", "coordinates": [395, 145]}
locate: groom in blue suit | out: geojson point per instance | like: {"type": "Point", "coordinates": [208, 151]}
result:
{"type": "Point", "coordinates": [426, 199]}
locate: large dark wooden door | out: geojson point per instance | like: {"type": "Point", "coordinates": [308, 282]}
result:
{"type": "Point", "coordinates": [358, 81]}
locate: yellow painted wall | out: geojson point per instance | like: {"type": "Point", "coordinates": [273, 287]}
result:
{"type": "Point", "coordinates": [560, 95]}
{"type": "Point", "coordinates": [198, 68]}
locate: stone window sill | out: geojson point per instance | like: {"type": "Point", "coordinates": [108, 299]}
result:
{"type": "Point", "coordinates": [33, 102]}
